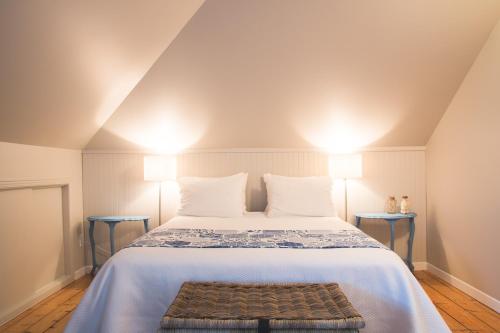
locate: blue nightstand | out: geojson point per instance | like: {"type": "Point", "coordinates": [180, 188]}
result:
{"type": "Point", "coordinates": [392, 219]}
{"type": "Point", "coordinates": [111, 221]}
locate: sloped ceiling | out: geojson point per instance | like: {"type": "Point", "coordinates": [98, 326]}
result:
{"type": "Point", "coordinates": [334, 74]}
{"type": "Point", "coordinates": [65, 66]}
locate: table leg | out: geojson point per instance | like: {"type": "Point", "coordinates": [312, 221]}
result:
{"type": "Point", "coordinates": [391, 223]}
{"type": "Point", "coordinates": [358, 221]}
{"type": "Point", "coordinates": [112, 237]}
{"type": "Point", "coordinates": [92, 246]}
{"type": "Point", "coordinates": [146, 227]}
{"type": "Point", "coordinates": [409, 258]}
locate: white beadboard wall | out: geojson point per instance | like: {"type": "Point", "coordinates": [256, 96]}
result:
{"type": "Point", "coordinates": [113, 184]}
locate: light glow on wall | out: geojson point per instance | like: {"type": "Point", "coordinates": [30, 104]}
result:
{"type": "Point", "coordinates": [342, 132]}
{"type": "Point", "coordinates": [166, 131]}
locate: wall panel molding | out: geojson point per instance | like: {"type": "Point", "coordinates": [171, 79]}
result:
{"type": "Point", "coordinates": [39, 175]}
{"type": "Point", "coordinates": [254, 150]}
{"type": "Point", "coordinates": [113, 184]}
{"type": "Point", "coordinates": [12, 184]}
{"type": "Point", "coordinates": [23, 298]}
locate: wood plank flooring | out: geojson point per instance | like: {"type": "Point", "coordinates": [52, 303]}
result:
{"type": "Point", "coordinates": [51, 314]}
{"type": "Point", "coordinates": [461, 312]}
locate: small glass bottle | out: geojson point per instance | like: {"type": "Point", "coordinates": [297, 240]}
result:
{"type": "Point", "coordinates": [405, 205]}
{"type": "Point", "coordinates": [391, 206]}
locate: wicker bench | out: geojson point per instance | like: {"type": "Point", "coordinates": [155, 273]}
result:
{"type": "Point", "coordinates": [231, 307]}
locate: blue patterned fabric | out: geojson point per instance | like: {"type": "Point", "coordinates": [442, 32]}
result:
{"type": "Point", "coordinates": [294, 239]}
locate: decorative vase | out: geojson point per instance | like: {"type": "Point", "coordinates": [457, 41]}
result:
{"type": "Point", "coordinates": [391, 205]}
{"type": "Point", "coordinates": [405, 205]}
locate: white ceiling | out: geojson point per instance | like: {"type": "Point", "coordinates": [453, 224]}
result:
{"type": "Point", "coordinates": [65, 66]}
{"type": "Point", "coordinates": [334, 74]}
{"type": "Point", "coordinates": [261, 73]}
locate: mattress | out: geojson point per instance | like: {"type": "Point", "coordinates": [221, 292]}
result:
{"type": "Point", "coordinates": [134, 288]}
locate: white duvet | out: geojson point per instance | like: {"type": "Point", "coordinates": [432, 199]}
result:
{"type": "Point", "coordinates": [134, 288]}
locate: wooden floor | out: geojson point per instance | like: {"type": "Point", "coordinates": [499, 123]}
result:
{"type": "Point", "coordinates": [461, 312]}
{"type": "Point", "coordinates": [52, 314]}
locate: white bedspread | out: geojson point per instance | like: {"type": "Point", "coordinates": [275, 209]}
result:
{"type": "Point", "coordinates": [134, 288]}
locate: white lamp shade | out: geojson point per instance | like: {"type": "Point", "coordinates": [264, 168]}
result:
{"type": "Point", "coordinates": [346, 166]}
{"type": "Point", "coordinates": [160, 168]}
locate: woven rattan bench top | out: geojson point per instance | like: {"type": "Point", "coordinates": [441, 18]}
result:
{"type": "Point", "coordinates": [216, 305]}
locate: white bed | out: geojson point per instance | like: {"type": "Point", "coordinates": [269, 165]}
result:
{"type": "Point", "coordinates": [135, 287]}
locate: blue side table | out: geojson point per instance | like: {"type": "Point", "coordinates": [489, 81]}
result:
{"type": "Point", "coordinates": [392, 219]}
{"type": "Point", "coordinates": [111, 221]}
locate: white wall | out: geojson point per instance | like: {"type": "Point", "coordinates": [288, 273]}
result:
{"type": "Point", "coordinates": [113, 185]}
{"type": "Point", "coordinates": [463, 178]}
{"type": "Point", "coordinates": [41, 203]}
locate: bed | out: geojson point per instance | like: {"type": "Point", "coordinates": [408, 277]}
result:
{"type": "Point", "coordinates": [134, 288]}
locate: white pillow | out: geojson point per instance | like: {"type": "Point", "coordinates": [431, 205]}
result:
{"type": "Point", "coordinates": [304, 196]}
{"type": "Point", "coordinates": [219, 197]}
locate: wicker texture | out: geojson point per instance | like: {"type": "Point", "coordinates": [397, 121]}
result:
{"type": "Point", "coordinates": [254, 330]}
{"type": "Point", "coordinates": [230, 307]}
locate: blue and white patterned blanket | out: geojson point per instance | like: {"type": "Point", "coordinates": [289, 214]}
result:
{"type": "Point", "coordinates": [295, 239]}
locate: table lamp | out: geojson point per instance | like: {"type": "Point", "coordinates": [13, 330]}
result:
{"type": "Point", "coordinates": [160, 168]}
{"type": "Point", "coordinates": [346, 166]}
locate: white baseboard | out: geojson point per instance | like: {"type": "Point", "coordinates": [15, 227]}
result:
{"type": "Point", "coordinates": [41, 294]}
{"type": "Point", "coordinates": [465, 287]}
{"type": "Point", "coordinates": [81, 272]}
{"type": "Point", "coordinates": [420, 266]}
